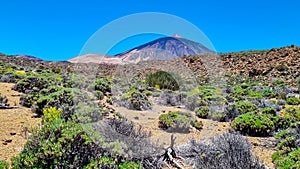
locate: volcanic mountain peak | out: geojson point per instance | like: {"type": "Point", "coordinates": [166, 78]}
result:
{"type": "Point", "coordinates": [164, 48]}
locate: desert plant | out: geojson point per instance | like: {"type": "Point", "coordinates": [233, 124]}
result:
{"type": "Point", "coordinates": [246, 107]}
{"type": "Point", "coordinates": [51, 114]}
{"type": "Point", "coordinates": [292, 112]}
{"type": "Point", "coordinates": [58, 145]}
{"type": "Point", "coordinates": [218, 116]}
{"type": "Point", "coordinates": [198, 125]}
{"type": "Point", "coordinates": [4, 165]}
{"type": "Point", "coordinates": [229, 150]}
{"type": "Point", "coordinates": [253, 124]}
{"type": "Point", "coordinates": [202, 112]}
{"type": "Point", "coordinates": [135, 99]}
{"type": "Point", "coordinates": [292, 101]}
{"type": "Point", "coordinates": [163, 79]}
{"type": "Point", "coordinates": [288, 154]}
{"type": "Point", "coordinates": [269, 110]}
{"type": "Point", "coordinates": [177, 121]}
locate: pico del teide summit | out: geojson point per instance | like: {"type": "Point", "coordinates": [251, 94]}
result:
{"type": "Point", "coordinates": [160, 49]}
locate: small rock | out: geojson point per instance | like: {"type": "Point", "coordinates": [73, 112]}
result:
{"type": "Point", "coordinates": [8, 140]}
{"type": "Point", "coordinates": [12, 133]}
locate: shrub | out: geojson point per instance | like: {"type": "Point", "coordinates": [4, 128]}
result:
{"type": "Point", "coordinates": [101, 84]}
{"type": "Point", "coordinates": [279, 83]}
{"type": "Point", "coordinates": [57, 145]}
{"type": "Point", "coordinates": [218, 116]}
{"type": "Point", "coordinates": [176, 121]}
{"type": "Point", "coordinates": [202, 112]}
{"type": "Point", "coordinates": [198, 125]}
{"type": "Point", "coordinates": [20, 73]}
{"type": "Point", "coordinates": [288, 154]}
{"type": "Point", "coordinates": [228, 150]}
{"type": "Point", "coordinates": [4, 165]}
{"type": "Point", "coordinates": [51, 114]}
{"type": "Point", "coordinates": [253, 124]}
{"type": "Point", "coordinates": [292, 112]}
{"type": "Point", "coordinates": [30, 82]}
{"type": "Point", "coordinates": [239, 108]}
{"type": "Point", "coordinates": [163, 79]}
{"type": "Point", "coordinates": [293, 101]}
{"type": "Point", "coordinates": [131, 165]}
{"type": "Point", "coordinates": [135, 99]}
{"type": "Point", "coordinates": [246, 107]}
{"type": "Point", "coordinates": [269, 110]}
{"type": "Point", "coordinates": [126, 139]}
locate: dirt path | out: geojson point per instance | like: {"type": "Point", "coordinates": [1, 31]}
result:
{"type": "Point", "coordinates": [15, 124]}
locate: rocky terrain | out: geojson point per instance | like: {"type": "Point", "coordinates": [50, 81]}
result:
{"type": "Point", "coordinates": [194, 106]}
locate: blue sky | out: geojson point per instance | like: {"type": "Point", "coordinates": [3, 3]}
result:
{"type": "Point", "coordinates": [58, 29]}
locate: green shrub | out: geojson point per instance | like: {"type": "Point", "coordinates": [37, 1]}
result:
{"type": "Point", "coordinates": [176, 120]}
{"type": "Point", "coordinates": [268, 93]}
{"type": "Point", "coordinates": [279, 83]}
{"type": "Point", "coordinates": [218, 116]}
{"type": "Point", "coordinates": [202, 112]}
{"type": "Point", "coordinates": [246, 107]}
{"type": "Point", "coordinates": [292, 112]}
{"type": "Point", "coordinates": [101, 84]}
{"type": "Point", "coordinates": [57, 145]}
{"type": "Point", "coordinates": [253, 124]}
{"type": "Point", "coordinates": [288, 154]}
{"type": "Point", "coordinates": [135, 99]}
{"type": "Point", "coordinates": [252, 94]}
{"type": "Point", "coordinates": [269, 110]}
{"type": "Point", "coordinates": [103, 162]}
{"type": "Point", "coordinates": [163, 79]}
{"type": "Point", "coordinates": [198, 125]}
{"type": "Point", "coordinates": [51, 114]}
{"type": "Point", "coordinates": [285, 160]}
{"type": "Point", "coordinates": [293, 101]}
{"type": "Point", "coordinates": [131, 165]}
{"type": "Point", "coordinates": [20, 73]}
{"type": "Point", "coordinates": [4, 165]}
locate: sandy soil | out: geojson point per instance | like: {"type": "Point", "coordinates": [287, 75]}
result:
{"type": "Point", "coordinates": [15, 124]}
{"type": "Point", "coordinates": [149, 121]}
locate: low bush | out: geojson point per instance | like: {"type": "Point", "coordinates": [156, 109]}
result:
{"type": "Point", "coordinates": [202, 112]}
{"type": "Point", "coordinates": [246, 107]}
{"type": "Point", "coordinates": [163, 79]}
{"type": "Point", "coordinates": [198, 125]}
{"type": "Point", "coordinates": [135, 99]}
{"type": "Point", "coordinates": [57, 145]}
{"type": "Point", "coordinates": [4, 165]}
{"type": "Point", "coordinates": [288, 154]}
{"type": "Point", "coordinates": [177, 121]}
{"type": "Point", "coordinates": [51, 114]}
{"type": "Point", "coordinates": [253, 124]}
{"type": "Point", "coordinates": [228, 150]}
{"type": "Point", "coordinates": [292, 112]}
{"type": "Point", "coordinates": [269, 110]}
{"type": "Point", "coordinates": [218, 116]}
{"type": "Point", "coordinates": [292, 101]}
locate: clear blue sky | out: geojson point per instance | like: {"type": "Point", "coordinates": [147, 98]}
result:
{"type": "Point", "coordinates": [58, 29]}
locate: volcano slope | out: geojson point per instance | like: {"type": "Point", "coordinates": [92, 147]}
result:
{"type": "Point", "coordinates": [256, 109]}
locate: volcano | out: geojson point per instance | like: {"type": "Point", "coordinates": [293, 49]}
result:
{"type": "Point", "coordinates": [160, 49]}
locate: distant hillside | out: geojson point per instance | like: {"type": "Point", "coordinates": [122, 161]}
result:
{"type": "Point", "coordinates": [95, 58]}
{"type": "Point", "coordinates": [28, 57]}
